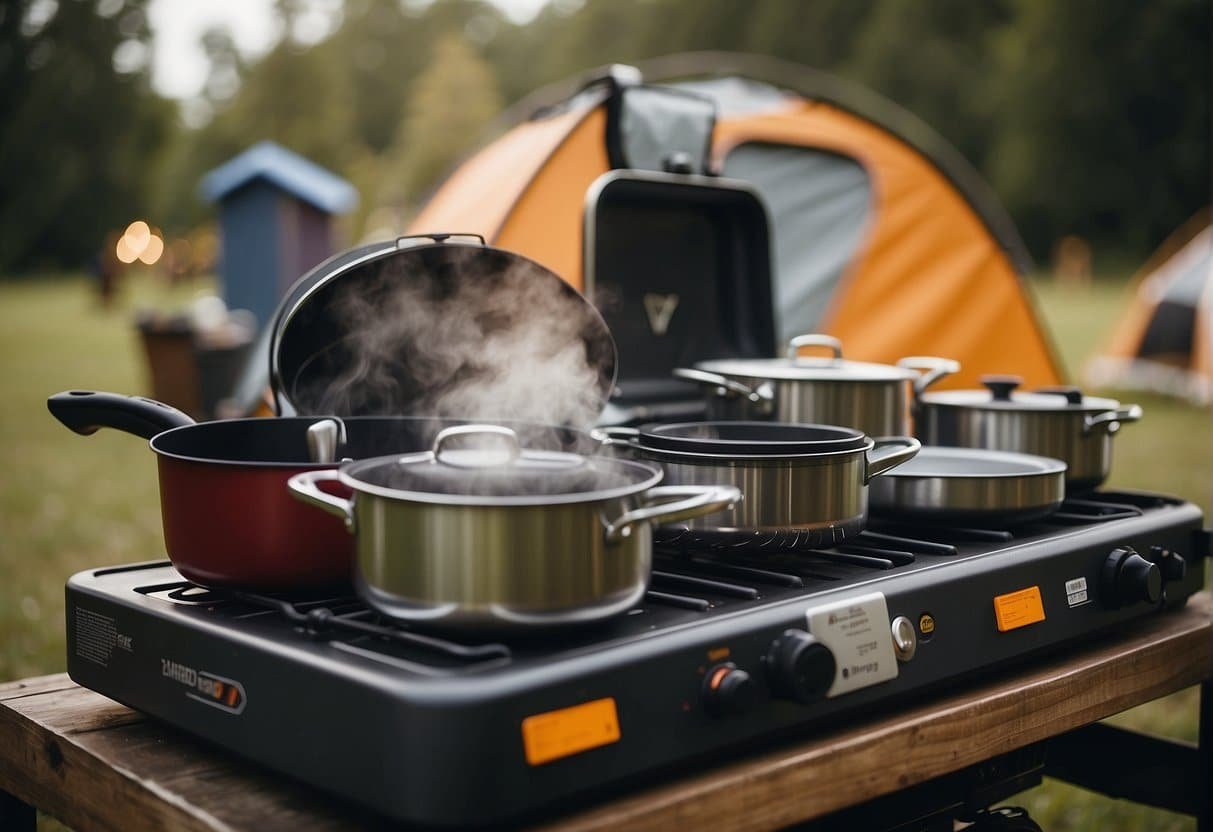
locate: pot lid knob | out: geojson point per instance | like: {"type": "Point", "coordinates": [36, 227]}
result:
{"type": "Point", "coordinates": [1073, 394]}
{"type": "Point", "coordinates": [814, 340]}
{"type": "Point", "coordinates": [503, 450]}
{"type": "Point", "coordinates": [1001, 387]}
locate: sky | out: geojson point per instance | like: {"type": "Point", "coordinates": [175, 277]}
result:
{"type": "Point", "coordinates": [179, 65]}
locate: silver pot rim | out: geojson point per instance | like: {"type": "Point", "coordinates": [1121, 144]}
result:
{"type": "Point", "coordinates": [691, 458]}
{"type": "Point", "coordinates": [645, 477]}
{"type": "Point", "coordinates": [974, 399]}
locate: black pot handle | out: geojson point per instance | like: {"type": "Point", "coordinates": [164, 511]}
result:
{"type": "Point", "coordinates": [86, 411]}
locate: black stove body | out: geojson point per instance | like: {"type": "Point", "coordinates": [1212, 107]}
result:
{"type": "Point", "coordinates": [725, 653]}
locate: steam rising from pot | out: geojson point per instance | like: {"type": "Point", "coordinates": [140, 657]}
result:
{"type": "Point", "coordinates": [449, 331]}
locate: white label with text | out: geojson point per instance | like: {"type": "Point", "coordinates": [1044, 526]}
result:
{"type": "Point", "coordinates": [857, 633]}
{"type": "Point", "coordinates": [1076, 592]}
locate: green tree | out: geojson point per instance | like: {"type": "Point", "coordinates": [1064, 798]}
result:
{"type": "Point", "coordinates": [447, 109]}
{"type": "Point", "coordinates": [79, 127]}
{"type": "Point", "coordinates": [1101, 120]}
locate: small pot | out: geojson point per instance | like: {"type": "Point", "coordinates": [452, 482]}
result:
{"type": "Point", "coordinates": [971, 486]}
{"type": "Point", "coordinates": [500, 538]}
{"type": "Point", "coordinates": [873, 398]}
{"type": "Point", "coordinates": [1057, 422]}
{"type": "Point", "coordinates": [806, 486]}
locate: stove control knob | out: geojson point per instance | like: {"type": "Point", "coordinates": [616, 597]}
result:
{"type": "Point", "coordinates": [1128, 578]}
{"type": "Point", "coordinates": [728, 690]}
{"type": "Point", "coordinates": [1172, 564]}
{"type": "Point", "coordinates": [799, 667]}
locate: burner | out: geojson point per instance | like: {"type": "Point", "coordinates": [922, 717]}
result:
{"type": "Point", "coordinates": [441, 729]}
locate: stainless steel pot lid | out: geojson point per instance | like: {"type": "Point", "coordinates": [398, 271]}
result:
{"type": "Point", "coordinates": [443, 326]}
{"type": "Point", "coordinates": [1000, 394]}
{"type": "Point", "coordinates": [751, 438]}
{"type": "Point", "coordinates": [484, 465]}
{"type": "Point", "coordinates": [974, 463]}
{"type": "Point", "coordinates": [796, 367]}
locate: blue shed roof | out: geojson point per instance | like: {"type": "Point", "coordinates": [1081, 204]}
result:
{"type": "Point", "coordinates": [298, 176]}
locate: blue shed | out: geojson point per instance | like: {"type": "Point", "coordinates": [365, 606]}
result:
{"type": "Point", "coordinates": [275, 222]}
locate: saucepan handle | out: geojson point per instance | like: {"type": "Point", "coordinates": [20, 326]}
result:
{"type": "Point", "coordinates": [616, 435]}
{"type": "Point", "coordinates": [930, 370]}
{"type": "Point", "coordinates": [87, 411]}
{"type": "Point", "coordinates": [670, 503]}
{"type": "Point", "coordinates": [303, 487]}
{"type": "Point", "coordinates": [881, 458]}
{"type": "Point", "coordinates": [1111, 420]}
{"type": "Point", "coordinates": [724, 385]}
{"type": "Point", "coordinates": [814, 339]}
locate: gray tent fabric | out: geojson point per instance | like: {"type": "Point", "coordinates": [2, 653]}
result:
{"type": "Point", "coordinates": [738, 96]}
{"type": "Point", "coordinates": [819, 204]}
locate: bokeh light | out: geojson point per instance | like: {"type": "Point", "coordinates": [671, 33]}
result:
{"type": "Point", "coordinates": [140, 242]}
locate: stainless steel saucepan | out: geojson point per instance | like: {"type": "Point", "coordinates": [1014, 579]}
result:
{"type": "Point", "coordinates": [1057, 422]}
{"type": "Point", "coordinates": [479, 533]}
{"type": "Point", "coordinates": [873, 398]}
{"type": "Point", "coordinates": [805, 486]}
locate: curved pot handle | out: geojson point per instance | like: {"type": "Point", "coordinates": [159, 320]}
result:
{"type": "Point", "coordinates": [87, 411]}
{"type": "Point", "coordinates": [303, 487]}
{"type": "Point", "coordinates": [689, 501]}
{"type": "Point", "coordinates": [905, 449]}
{"type": "Point", "coordinates": [814, 340]}
{"type": "Point", "coordinates": [723, 385]}
{"type": "Point", "coordinates": [931, 369]}
{"type": "Point", "coordinates": [510, 438]}
{"type": "Point", "coordinates": [616, 435]}
{"type": "Point", "coordinates": [1111, 420]}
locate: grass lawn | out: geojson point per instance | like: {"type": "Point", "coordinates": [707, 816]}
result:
{"type": "Point", "coordinates": [68, 503]}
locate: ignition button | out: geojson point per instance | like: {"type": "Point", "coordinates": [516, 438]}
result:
{"type": "Point", "coordinates": [905, 638]}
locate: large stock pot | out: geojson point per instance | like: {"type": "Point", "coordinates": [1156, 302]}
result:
{"type": "Point", "coordinates": [478, 533]}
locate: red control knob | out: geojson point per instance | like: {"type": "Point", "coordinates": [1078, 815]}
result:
{"type": "Point", "coordinates": [728, 690]}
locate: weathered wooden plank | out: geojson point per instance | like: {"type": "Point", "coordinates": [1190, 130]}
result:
{"type": "Point", "coordinates": [98, 765]}
{"type": "Point", "coordinates": [1167, 653]}
{"type": "Point", "coordinates": [35, 684]}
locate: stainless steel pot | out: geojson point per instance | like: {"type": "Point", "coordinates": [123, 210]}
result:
{"type": "Point", "coordinates": [481, 538]}
{"type": "Point", "coordinates": [812, 496]}
{"type": "Point", "coordinates": [1057, 422]}
{"type": "Point", "coordinates": [873, 398]}
{"type": "Point", "coordinates": [969, 485]}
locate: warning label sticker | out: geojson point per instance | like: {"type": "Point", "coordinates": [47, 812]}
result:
{"type": "Point", "coordinates": [857, 631]}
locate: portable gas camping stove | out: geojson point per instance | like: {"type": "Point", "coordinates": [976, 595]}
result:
{"type": "Point", "coordinates": [724, 653]}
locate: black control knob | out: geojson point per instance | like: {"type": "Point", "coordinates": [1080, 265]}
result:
{"type": "Point", "coordinates": [799, 667]}
{"type": "Point", "coordinates": [728, 690]}
{"type": "Point", "coordinates": [1128, 578]}
{"type": "Point", "coordinates": [1171, 564]}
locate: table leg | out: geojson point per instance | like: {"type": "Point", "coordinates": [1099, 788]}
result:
{"type": "Point", "coordinates": [1204, 821]}
{"type": "Point", "coordinates": [15, 815]}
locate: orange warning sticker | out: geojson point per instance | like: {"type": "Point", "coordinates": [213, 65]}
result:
{"type": "Point", "coordinates": [556, 734]}
{"type": "Point", "coordinates": [1018, 609]}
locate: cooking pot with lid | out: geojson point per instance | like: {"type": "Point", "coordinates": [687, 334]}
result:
{"type": "Point", "coordinates": [831, 390]}
{"type": "Point", "coordinates": [1057, 422]}
{"type": "Point", "coordinates": [479, 533]}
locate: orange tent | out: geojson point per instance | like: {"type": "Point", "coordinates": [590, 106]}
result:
{"type": "Point", "coordinates": [1164, 341]}
{"type": "Point", "coordinates": [882, 234]}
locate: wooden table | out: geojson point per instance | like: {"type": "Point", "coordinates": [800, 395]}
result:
{"type": "Point", "coordinates": [98, 765]}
